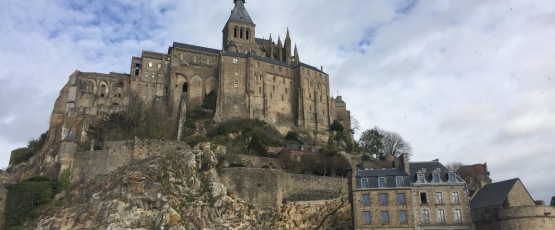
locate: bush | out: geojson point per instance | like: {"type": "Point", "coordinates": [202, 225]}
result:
{"type": "Point", "coordinates": [256, 148]}
{"type": "Point", "coordinates": [336, 126]}
{"type": "Point", "coordinates": [24, 198]}
{"type": "Point", "coordinates": [366, 158]}
{"type": "Point", "coordinates": [210, 100]}
{"type": "Point", "coordinates": [292, 136]}
{"type": "Point", "coordinates": [20, 155]}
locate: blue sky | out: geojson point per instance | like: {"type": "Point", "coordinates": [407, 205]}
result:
{"type": "Point", "coordinates": [469, 81]}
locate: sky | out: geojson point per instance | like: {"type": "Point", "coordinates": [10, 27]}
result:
{"type": "Point", "coordinates": [462, 81]}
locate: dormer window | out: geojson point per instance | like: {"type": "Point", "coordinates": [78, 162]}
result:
{"type": "Point", "coordinates": [399, 181]}
{"type": "Point", "coordinates": [452, 177]}
{"type": "Point", "coordinates": [421, 178]}
{"type": "Point", "coordinates": [381, 182]}
{"type": "Point", "coordinates": [435, 178]}
{"type": "Point", "coordinates": [364, 183]}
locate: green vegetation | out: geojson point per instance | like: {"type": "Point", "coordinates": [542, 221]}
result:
{"type": "Point", "coordinates": [23, 154]}
{"type": "Point", "coordinates": [232, 165]}
{"type": "Point", "coordinates": [210, 100]}
{"type": "Point", "coordinates": [366, 158]}
{"type": "Point", "coordinates": [265, 166]}
{"type": "Point", "coordinates": [31, 198]}
{"type": "Point", "coordinates": [293, 137]}
{"type": "Point", "coordinates": [256, 148]}
{"type": "Point", "coordinates": [336, 126]}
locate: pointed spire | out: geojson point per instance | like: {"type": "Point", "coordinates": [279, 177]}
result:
{"type": "Point", "coordinates": [287, 36]}
{"type": "Point", "coordinates": [279, 50]}
{"type": "Point", "coordinates": [297, 61]}
{"type": "Point", "coordinates": [239, 13]}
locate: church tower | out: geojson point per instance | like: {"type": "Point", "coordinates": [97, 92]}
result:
{"type": "Point", "coordinates": [239, 28]}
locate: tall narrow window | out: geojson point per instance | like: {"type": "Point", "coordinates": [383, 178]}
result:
{"type": "Point", "coordinates": [259, 89]}
{"type": "Point", "coordinates": [423, 198]}
{"type": "Point", "coordinates": [452, 177]}
{"type": "Point", "coordinates": [458, 215]}
{"type": "Point", "coordinates": [195, 59]}
{"type": "Point", "coordinates": [439, 198]}
{"type": "Point", "coordinates": [385, 217]}
{"type": "Point", "coordinates": [365, 199]}
{"type": "Point", "coordinates": [184, 90]}
{"type": "Point", "coordinates": [421, 178]}
{"type": "Point", "coordinates": [285, 90]}
{"type": "Point", "coordinates": [208, 61]}
{"type": "Point", "coordinates": [153, 75]}
{"type": "Point", "coordinates": [146, 89]}
{"type": "Point", "coordinates": [149, 64]}
{"type": "Point", "coordinates": [383, 199]}
{"type": "Point", "coordinates": [455, 197]}
{"type": "Point", "coordinates": [364, 183]}
{"type": "Point", "coordinates": [165, 91]}
{"type": "Point", "coordinates": [281, 97]}
{"type": "Point", "coordinates": [381, 182]}
{"type": "Point", "coordinates": [403, 216]}
{"type": "Point", "coordinates": [159, 66]}
{"type": "Point", "coordinates": [241, 33]}
{"type": "Point", "coordinates": [273, 87]}
{"type": "Point", "coordinates": [247, 34]}
{"type": "Point", "coordinates": [235, 32]}
{"type": "Point", "coordinates": [146, 74]}
{"type": "Point", "coordinates": [401, 198]}
{"type": "Point", "coordinates": [181, 57]}
{"type": "Point", "coordinates": [436, 177]}
{"type": "Point", "coordinates": [399, 180]}
{"type": "Point", "coordinates": [441, 215]}
{"type": "Point", "coordinates": [236, 84]}
{"type": "Point", "coordinates": [425, 216]}
{"type": "Point", "coordinates": [310, 96]}
{"type": "Point", "coordinates": [236, 72]}
{"type": "Point", "coordinates": [279, 69]}
{"type": "Point", "coordinates": [286, 71]}
{"type": "Point", "coordinates": [102, 90]}
{"type": "Point", "coordinates": [367, 219]}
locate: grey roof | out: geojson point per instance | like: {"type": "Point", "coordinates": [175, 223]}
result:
{"type": "Point", "coordinates": [492, 194]}
{"type": "Point", "coordinates": [70, 138]}
{"type": "Point", "coordinates": [231, 43]}
{"type": "Point", "coordinates": [195, 48]}
{"type": "Point", "coordinates": [373, 175]}
{"type": "Point", "coordinates": [310, 67]}
{"type": "Point", "coordinates": [240, 14]}
{"type": "Point", "coordinates": [261, 40]}
{"type": "Point", "coordinates": [429, 166]}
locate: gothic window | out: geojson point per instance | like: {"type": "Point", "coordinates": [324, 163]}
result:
{"type": "Point", "coordinates": [184, 90]}
{"type": "Point", "coordinates": [102, 90]}
{"type": "Point", "coordinates": [241, 34]}
{"type": "Point", "coordinates": [235, 32]}
{"type": "Point", "coordinates": [165, 91]}
{"type": "Point", "coordinates": [247, 35]}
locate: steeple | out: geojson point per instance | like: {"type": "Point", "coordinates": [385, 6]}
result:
{"type": "Point", "coordinates": [279, 50]}
{"type": "Point", "coordinates": [271, 48]}
{"type": "Point", "coordinates": [297, 61]}
{"type": "Point", "coordinates": [287, 48]}
{"type": "Point", "coordinates": [239, 13]}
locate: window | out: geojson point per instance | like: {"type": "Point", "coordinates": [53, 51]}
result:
{"type": "Point", "coordinates": [314, 74]}
{"type": "Point", "coordinates": [279, 69]}
{"type": "Point", "coordinates": [423, 198]}
{"type": "Point", "coordinates": [381, 182]}
{"type": "Point", "coordinates": [153, 75]}
{"type": "Point", "coordinates": [455, 197]}
{"type": "Point", "coordinates": [258, 64]}
{"type": "Point", "coordinates": [458, 215]}
{"type": "Point", "coordinates": [385, 217]}
{"type": "Point", "coordinates": [102, 90]}
{"type": "Point", "coordinates": [401, 198]}
{"type": "Point", "coordinates": [383, 199]}
{"type": "Point", "coordinates": [273, 87]}
{"type": "Point", "coordinates": [323, 112]}
{"type": "Point", "coordinates": [364, 183]}
{"type": "Point", "coordinates": [320, 76]}
{"type": "Point", "coordinates": [281, 97]}
{"type": "Point", "coordinates": [261, 77]}
{"type": "Point", "coordinates": [259, 89]}
{"type": "Point", "coordinates": [320, 98]}
{"type": "Point", "coordinates": [435, 178]}
{"type": "Point", "coordinates": [399, 180]}
{"type": "Point", "coordinates": [236, 84]}
{"type": "Point", "coordinates": [271, 95]}
{"type": "Point", "coordinates": [234, 60]}
{"type": "Point", "coordinates": [441, 215]}
{"type": "Point", "coordinates": [326, 77]}
{"type": "Point", "coordinates": [308, 72]}
{"type": "Point", "coordinates": [311, 108]}
{"type": "Point", "coordinates": [149, 64]}
{"type": "Point", "coordinates": [365, 199]}
{"type": "Point", "coordinates": [236, 72]}
{"type": "Point", "coordinates": [367, 219]}
{"type": "Point", "coordinates": [425, 216]}
{"type": "Point", "coordinates": [247, 35]}
{"type": "Point", "coordinates": [146, 74]}
{"type": "Point", "coordinates": [439, 198]}
{"type": "Point", "coordinates": [272, 68]}
{"type": "Point", "coordinates": [452, 177]}
{"type": "Point", "coordinates": [403, 217]}
{"type": "Point", "coordinates": [285, 90]}
{"type": "Point", "coordinates": [165, 91]}
{"type": "Point", "coordinates": [235, 32]}
{"type": "Point", "coordinates": [310, 95]}
{"type": "Point", "coordinates": [303, 70]}
{"type": "Point", "coordinates": [119, 89]}
{"type": "Point", "coordinates": [208, 61]}
{"type": "Point", "coordinates": [286, 71]}
{"type": "Point", "coordinates": [241, 33]}
{"type": "Point", "coordinates": [146, 89]}
{"type": "Point", "coordinates": [421, 178]}
{"type": "Point", "coordinates": [184, 90]}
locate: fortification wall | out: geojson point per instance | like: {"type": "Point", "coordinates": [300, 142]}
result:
{"type": "Point", "coordinates": [253, 161]}
{"type": "Point", "coordinates": [89, 164]}
{"type": "Point", "coordinates": [3, 195]}
{"type": "Point", "coordinates": [527, 217]}
{"type": "Point", "coordinates": [268, 188]}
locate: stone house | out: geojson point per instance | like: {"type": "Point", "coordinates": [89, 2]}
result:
{"type": "Point", "coordinates": [253, 77]}
{"type": "Point", "coordinates": [412, 195]}
{"type": "Point", "coordinates": [476, 176]}
{"type": "Point", "coordinates": [508, 205]}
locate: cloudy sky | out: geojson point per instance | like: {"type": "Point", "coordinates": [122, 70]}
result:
{"type": "Point", "coordinates": [470, 81]}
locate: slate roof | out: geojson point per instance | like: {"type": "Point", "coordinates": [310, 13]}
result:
{"type": "Point", "coordinates": [195, 48]}
{"type": "Point", "coordinates": [310, 67]}
{"type": "Point", "coordinates": [429, 166]}
{"type": "Point", "coordinates": [373, 175]}
{"type": "Point", "coordinates": [70, 138]}
{"type": "Point", "coordinates": [493, 194]}
{"type": "Point", "coordinates": [240, 14]}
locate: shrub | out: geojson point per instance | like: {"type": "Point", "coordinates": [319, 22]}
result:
{"type": "Point", "coordinates": [256, 148]}
{"type": "Point", "coordinates": [210, 100]}
{"type": "Point", "coordinates": [366, 158]}
{"type": "Point", "coordinates": [24, 198]}
{"type": "Point", "coordinates": [292, 136]}
{"type": "Point", "coordinates": [336, 126]}
{"type": "Point", "coordinates": [20, 155]}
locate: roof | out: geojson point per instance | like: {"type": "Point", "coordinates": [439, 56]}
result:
{"type": "Point", "coordinates": [373, 175]}
{"type": "Point", "coordinates": [240, 14]}
{"type": "Point", "coordinates": [311, 67]}
{"type": "Point", "coordinates": [70, 138]}
{"type": "Point", "coordinates": [492, 194]}
{"type": "Point", "coordinates": [261, 40]}
{"type": "Point", "coordinates": [381, 172]}
{"type": "Point", "coordinates": [429, 166]}
{"type": "Point", "coordinates": [195, 48]}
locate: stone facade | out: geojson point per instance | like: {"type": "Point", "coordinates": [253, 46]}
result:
{"type": "Point", "coordinates": [254, 78]}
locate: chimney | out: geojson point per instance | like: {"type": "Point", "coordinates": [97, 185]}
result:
{"type": "Point", "coordinates": [404, 163]}
{"type": "Point", "coordinates": [539, 202]}
{"type": "Point", "coordinates": [479, 169]}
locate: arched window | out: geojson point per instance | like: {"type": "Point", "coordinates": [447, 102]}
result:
{"type": "Point", "coordinates": [235, 32]}
{"type": "Point", "coordinates": [102, 90]}
{"type": "Point", "coordinates": [184, 87]}
{"type": "Point", "coordinates": [247, 35]}
{"type": "Point", "coordinates": [119, 89]}
{"type": "Point", "coordinates": [241, 33]}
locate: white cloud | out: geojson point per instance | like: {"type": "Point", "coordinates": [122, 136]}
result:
{"type": "Point", "coordinates": [460, 80]}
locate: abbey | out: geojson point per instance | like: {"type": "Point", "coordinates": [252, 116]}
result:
{"type": "Point", "coordinates": [253, 78]}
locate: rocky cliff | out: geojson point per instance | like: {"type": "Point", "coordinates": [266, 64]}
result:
{"type": "Point", "coordinates": [178, 190]}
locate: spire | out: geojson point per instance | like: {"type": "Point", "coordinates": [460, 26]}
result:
{"type": "Point", "coordinates": [279, 50]}
{"type": "Point", "coordinates": [271, 48]}
{"type": "Point", "coordinates": [287, 36]}
{"type": "Point", "coordinates": [287, 48]}
{"type": "Point", "coordinates": [297, 61]}
{"type": "Point", "coordinates": [239, 13]}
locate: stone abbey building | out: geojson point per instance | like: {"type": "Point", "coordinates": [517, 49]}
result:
{"type": "Point", "coordinates": [254, 78]}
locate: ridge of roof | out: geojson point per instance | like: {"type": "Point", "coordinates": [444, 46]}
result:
{"type": "Point", "coordinates": [195, 48]}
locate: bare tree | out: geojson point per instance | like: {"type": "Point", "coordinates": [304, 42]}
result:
{"type": "Point", "coordinates": [454, 166]}
{"type": "Point", "coordinates": [355, 125]}
{"type": "Point", "coordinates": [381, 143]}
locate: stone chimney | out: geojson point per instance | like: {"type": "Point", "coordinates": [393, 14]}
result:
{"type": "Point", "coordinates": [404, 163]}
{"type": "Point", "coordinates": [479, 169]}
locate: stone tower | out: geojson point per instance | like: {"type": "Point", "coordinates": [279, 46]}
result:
{"type": "Point", "coordinates": [68, 147]}
{"type": "Point", "coordinates": [239, 28]}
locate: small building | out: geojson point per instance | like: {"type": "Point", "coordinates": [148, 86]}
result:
{"type": "Point", "coordinates": [415, 195]}
{"type": "Point", "coordinates": [476, 176]}
{"type": "Point", "coordinates": [507, 205]}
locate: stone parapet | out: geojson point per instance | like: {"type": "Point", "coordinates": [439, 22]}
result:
{"type": "Point", "coordinates": [527, 217]}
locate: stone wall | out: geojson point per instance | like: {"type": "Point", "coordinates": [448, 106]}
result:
{"type": "Point", "coordinates": [518, 196]}
{"type": "Point", "coordinates": [3, 194]}
{"type": "Point", "coordinates": [268, 188]}
{"type": "Point", "coordinates": [527, 217]}
{"type": "Point", "coordinates": [253, 161]}
{"type": "Point", "coordinates": [393, 208]}
{"type": "Point", "coordinates": [89, 164]}
{"type": "Point", "coordinates": [448, 205]}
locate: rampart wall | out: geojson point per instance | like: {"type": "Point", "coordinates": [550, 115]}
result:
{"type": "Point", "coordinates": [268, 188]}
{"type": "Point", "coordinates": [89, 164]}
{"type": "Point", "coordinates": [253, 161]}
{"type": "Point", "coordinates": [527, 217]}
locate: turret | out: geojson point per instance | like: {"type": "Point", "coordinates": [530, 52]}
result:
{"type": "Point", "coordinates": [68, 147]}
{"type": "Point", "coordinates": [287, 48]}
{"type": "Point", "coordinates": [239, 27]}
{"type": "Point", "coordinates": [279, 50]}
{"type": "Point", "coordinates": [231, 47]}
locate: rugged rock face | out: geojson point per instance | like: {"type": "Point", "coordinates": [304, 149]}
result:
{"type": "Point", "coordinates": [179, 191]}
